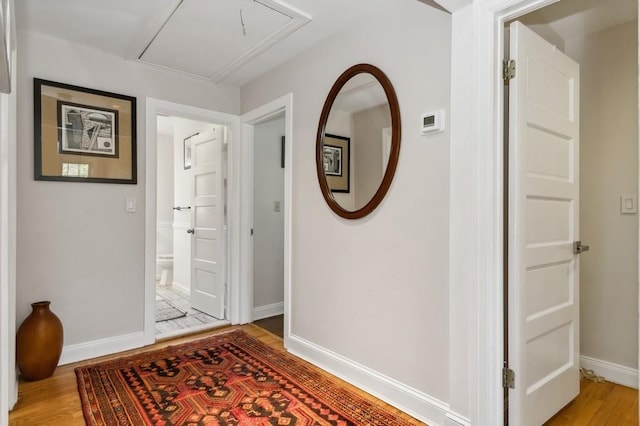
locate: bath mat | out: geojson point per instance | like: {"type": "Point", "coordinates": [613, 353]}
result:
{"type": "Point", "coordinates": [227, 379]}
{"type": "Point", "coordinates": [165, 311]}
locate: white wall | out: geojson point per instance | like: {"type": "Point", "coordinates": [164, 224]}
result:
{"type": "Point", "coordinates": [608, 168]}
{"type": "Point", "coordinates": [367, 142]}
{"type": "Point", "coordinates": [375, 291]}
{"type": "Point", "coordinates": [182, 197]}
{"type": "Point", "coordinates": [268, 239]}
{"type": "Point", "coordinates": [76, 245]}
{"type": "Point", "coordinates": [164, 200]}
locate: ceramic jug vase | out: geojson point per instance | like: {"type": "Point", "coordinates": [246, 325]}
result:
{"type": "Point", "coordinates": [39, 343]}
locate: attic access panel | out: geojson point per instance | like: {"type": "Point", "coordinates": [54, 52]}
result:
{"type": "Point", "coordinates": [212, 38]}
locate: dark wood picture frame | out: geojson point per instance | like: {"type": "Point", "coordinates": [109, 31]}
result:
{"type": "Point", "coordinates": [394, 153]}
{"type": "Point", "coordinates": [83, 135]}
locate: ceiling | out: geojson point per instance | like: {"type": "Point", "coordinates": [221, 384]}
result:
{"type": "Point", "coordinates": [235, 41]}
{"type": "Point", "coordinates": [577, 18]}
{"type": "Point", "coordinates": [219, 40]}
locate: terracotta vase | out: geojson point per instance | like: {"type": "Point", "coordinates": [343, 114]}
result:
{"type": "Point", "coordinates": [39, 343]}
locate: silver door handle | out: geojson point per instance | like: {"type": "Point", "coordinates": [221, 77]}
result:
{"type": "Point", "coordinates": [191, 231]}
{"type": "Point", "coordinates": [578, 247]}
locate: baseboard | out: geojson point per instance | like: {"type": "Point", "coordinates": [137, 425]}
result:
{"type": "Point", "coordinates": [412, 401]}
{"type": "Point", "coordinates": [267, 311]}
{"type": "Point", "coordinates": [455, 420]}
{"type": "Point", "coordinates": [96, 348]}
{"type": "Point", "coordinates": [615, 373]}
{"type": "Point", "coordinates": [180, 287]}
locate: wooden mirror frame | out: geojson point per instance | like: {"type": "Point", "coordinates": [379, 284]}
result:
{"type": "Point", "coordinates": [395, 141]}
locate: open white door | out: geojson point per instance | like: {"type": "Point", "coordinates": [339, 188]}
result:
{"type": "Point", "coordinates": [208, 239]}
{"type": "Point", "coordinates": [543, 226]}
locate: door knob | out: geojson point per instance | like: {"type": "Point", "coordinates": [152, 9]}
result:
{"type": "Point", "coordinates": [578, 247]}
{"type": "Point", "coordinates": [191, 231]}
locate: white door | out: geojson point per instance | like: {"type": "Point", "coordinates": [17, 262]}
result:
{"type": "Point", "coordinates": [543, 225]}
{"type": "Point", "coordinates": [208, 239]}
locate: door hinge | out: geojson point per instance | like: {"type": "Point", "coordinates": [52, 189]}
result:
{"type": "Point", "coordinates": [508, 70]}
{"type": "Point", "coordinates": [508, 378]}
{"type": "Point", "coordinates": [578, 247]}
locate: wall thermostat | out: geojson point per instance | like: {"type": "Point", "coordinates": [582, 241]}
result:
{"type": "Point", "coordinates": [432, 122]}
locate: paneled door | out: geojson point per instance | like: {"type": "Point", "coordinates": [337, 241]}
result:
{"type": "Point", "coordinates": [208, 233]}
{"type": "Point", "coordinates": [543, 279]}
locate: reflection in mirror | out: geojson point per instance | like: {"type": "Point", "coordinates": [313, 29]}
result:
{"type": "Point", "coordinates": [356, 143]}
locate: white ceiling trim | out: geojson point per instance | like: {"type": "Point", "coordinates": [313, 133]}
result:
{"type": "Point", "coordinates": [298, 20]}
{"type": "Point", "coordinates": [158, 21]}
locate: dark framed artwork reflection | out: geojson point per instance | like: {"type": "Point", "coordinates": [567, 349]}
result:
{"type": "Point", "coordinates": [335, 158]}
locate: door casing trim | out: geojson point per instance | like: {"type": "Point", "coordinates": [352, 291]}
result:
{"type": "Point", "coordinates": [155, 107]}
{"type": "Point", "coordinates": [248, 120]}
{"type": "Point", "coordinates": [476, 245]}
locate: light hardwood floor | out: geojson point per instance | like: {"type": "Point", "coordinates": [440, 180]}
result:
{"type": "Point", "coordinates": [55, 401]}
{"type": "Point", "coordinates": [600, 404]}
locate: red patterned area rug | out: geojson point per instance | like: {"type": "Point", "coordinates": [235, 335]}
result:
{"type": "Point", "coordinates": [227, 379]}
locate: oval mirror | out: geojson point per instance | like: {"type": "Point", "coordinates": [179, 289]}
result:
{"type": "Point", "coordinates": [358, 141]}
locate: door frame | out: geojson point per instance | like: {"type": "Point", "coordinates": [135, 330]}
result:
{"type": "Point", "coordinates": [476, 246]}
{"type": "Point", "coordinates": [477, 184]}
{"type": "Point", "coordinates": [248, 120]}
{"type": "Point", "coordinates": [8, 221]}
{"type": "Point", "coordinates": [155, 107]}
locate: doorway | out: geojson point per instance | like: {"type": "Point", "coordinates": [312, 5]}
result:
{"type": "Point", "coordinates": [268, 223]}
{"type": "Point", "coordinates": [179, 305]}
{"type": "Point", "coordinates": [478, 166]}
{"type": "Point", "coordinates": [274, 119]}
{"type": "Point", "coordinates": [191, 274]}
{"type": "Point", "coordinates": [608, 161]}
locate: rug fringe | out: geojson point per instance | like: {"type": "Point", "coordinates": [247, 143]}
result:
{"type": "Point", "coordinates": [590, 375]}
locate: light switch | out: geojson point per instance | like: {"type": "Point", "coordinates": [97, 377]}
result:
{"type": "Point", "coordinates": [130, 205]}
{"type": "Point", "coordinates": [276, 206]}
{"type": "Point", "coordinates": [628, 204]}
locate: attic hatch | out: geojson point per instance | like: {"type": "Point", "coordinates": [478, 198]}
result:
{"type": "Point", "coordinates": [213, 38]}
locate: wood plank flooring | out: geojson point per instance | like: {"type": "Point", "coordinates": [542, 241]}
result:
{"type": "Point", "coordinates": [274, 325]}
{"type": "Point", "coordinates": [55, 401]}
{"type": "Point", "coordinates": [600, 404]}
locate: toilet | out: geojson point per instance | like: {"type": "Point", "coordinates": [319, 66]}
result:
{"type": "Point", "coordinates": [164, 269]}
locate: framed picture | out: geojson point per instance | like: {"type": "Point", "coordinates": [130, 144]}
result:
{"type": "Point", "coordinates": [332, 160]}
{"type": "Point", "coordinates": [84, 130]}
{"type": "Point", "coordinates": [83, 135]}
{"type": "Point", "coordinates": [186, 151]}
{"type": "Point", "coordinates": [335, 157]}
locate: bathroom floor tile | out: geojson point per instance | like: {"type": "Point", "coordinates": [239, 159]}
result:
{"type": "Point", "coordinates": [180, 300]}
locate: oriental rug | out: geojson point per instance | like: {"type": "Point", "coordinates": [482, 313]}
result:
{"type": "Point", "coordinates": [227, 379]}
